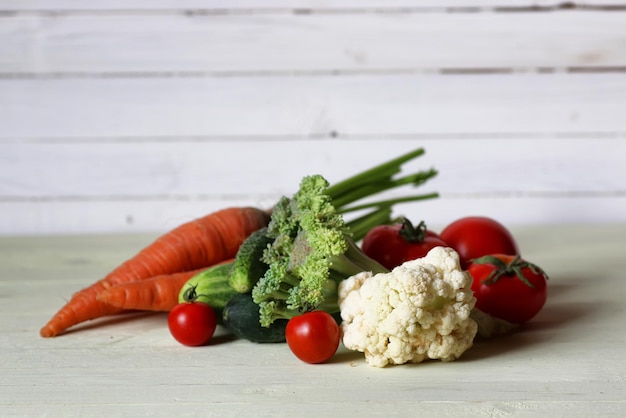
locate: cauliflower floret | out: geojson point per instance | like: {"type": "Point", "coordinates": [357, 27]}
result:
{"type": "Point", "coordinates": [420, 310]}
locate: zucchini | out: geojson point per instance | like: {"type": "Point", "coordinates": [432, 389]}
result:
{"type": "Point", "coordinates": [209, 286]}
{"type": "Point", "coordinates": [241, 317]}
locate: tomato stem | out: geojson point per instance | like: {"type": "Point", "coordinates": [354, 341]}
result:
{"type": "Point", "coordinates": [191, 295]}
{"type": "Point", "coordinates": [411, 233]}
{"type": "Point", "coordinates": [514, 268]}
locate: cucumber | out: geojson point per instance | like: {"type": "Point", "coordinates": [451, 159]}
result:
{"type": "Point", "coordinates": [209, 286]}
{"type": "Point", "coordinates": [248, 267]}
{"type": "Point", "coordinates": [241, 317]}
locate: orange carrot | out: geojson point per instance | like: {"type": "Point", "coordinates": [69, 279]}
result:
{"type": "Point", "coordinates": [158, 293]}
{"type": "Point", "coordinates": [192, 245]}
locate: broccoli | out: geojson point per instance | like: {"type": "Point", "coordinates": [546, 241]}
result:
{"type": "Point", "coordinates": [313, 248]}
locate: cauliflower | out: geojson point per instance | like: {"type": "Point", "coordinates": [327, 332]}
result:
{"type": "Point", "coordinates": [420, 310]}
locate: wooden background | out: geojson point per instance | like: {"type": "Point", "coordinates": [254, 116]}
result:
{"type": "Point", "coordinates": [132, 116]}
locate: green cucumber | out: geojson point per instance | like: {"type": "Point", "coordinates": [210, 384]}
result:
{"type": "Point", "coordinates": [209, 286]}
{"type": "Point", "coordinates": [241, 317]}
{"type": "Point", "coordinates": [248, 267]}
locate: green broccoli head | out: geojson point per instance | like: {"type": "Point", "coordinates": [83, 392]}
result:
{"type": "Point", "coordinates": [282, 223]}
{"type": "Point", "coordinates": [311, 251]}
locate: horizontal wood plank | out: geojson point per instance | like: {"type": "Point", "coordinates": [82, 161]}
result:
{"type": "Point", "coordinates": [378, 106]}
{"type": "Point", "coordinates": [289, 5]}
{"type": "Point", "coordinates": [84, 217]}
{"type": "Point", "coordinates": [231, 170]}
{"type": "Point", "coordinates": [118, 45]}
{"type": "Point", "coordinates": [101, 187]}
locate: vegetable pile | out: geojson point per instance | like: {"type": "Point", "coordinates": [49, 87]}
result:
{"type": "Point", "coordinates": [305, 274]}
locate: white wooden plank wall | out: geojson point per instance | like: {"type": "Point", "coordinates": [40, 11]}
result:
{"type": "Point", "coordinates": [129, 116]}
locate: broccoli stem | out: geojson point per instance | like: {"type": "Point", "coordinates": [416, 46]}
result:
{"type": "Point", "coordinates": [390, 202]}
{"type": "Point", "coordinates": [271, 312]}
{"type": "Point", "coordinates": [382, 171]}
{"type": "Point", "coordinates": [279, 291]}
{"type": "Point", "coordinates": [378, 186]}
{"type": "Point", "coordinates": [346, 194]}
{"type": "Point", "coordinates": [352, 262]}
{"type": "Point", "coordinates": [278, 308]}
{"type": "Point", "coordinates": [359, 227]}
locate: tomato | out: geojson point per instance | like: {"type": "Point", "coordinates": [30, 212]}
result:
{"type": "Point", "coordinates": [476, 236]}
{"type": "Point", "coordinates": [508, 287]}
{"type": "Point", "coordinates": [192, 323]}
{"type": "Point", "coordinates": [392, 245]}
{"type": "Point", "coordinates": [313, 336]}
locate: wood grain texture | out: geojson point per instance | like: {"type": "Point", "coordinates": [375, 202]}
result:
{"type": "Point", "coordinates": [178, 181]}
{"type": "Point", "coordinates": [181, 44]}
{"type": "Point", "coordinates": [130, 365]}
{"type": "Point", "coordinates": [131, 116]}
{"type": "Point", "coordinates": [291, 6]}
{"type": "Point", "coordinates": [292, 108]}
{"type": "Point", "coordinates": [206, 170]}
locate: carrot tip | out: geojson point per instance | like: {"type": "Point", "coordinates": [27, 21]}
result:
{"type": "Point", "coordinates": [47, 332]}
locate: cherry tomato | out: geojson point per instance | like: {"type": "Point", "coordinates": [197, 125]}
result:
{"type": "Point", "coordinates": [192, 323]}
{"type": "Point", "coordinates": [508, 287]}
{"type": "Point", "coordinates": [392, 245]}
{"type": "Point", "coordinates": [313, 336]}
{"type": "Point", "coordinates": [476, 236]}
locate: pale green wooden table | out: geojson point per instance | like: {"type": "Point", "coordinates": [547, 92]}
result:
{"type": "Point", "coordinates": [568, 362]}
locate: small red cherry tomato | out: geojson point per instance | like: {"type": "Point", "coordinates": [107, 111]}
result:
{"type": "Point", "coordinates": [192, 323]}
{"type": "Point", "coordinates": [508, 287]}
{"type": "Point", "coordinates": [392, 245]}
{"type": "Point", "coordinates": [313, 337]}
{"type": "Point", "coordinates": [476, 236]}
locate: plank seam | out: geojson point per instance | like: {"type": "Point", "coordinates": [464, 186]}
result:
{"type": "Point", "coordinates": [331, 135]}
{"type": "Point", "coordinates": [444, 71]}
{"type": "Point", "coordinates": [517, 194]}
{"type": "Point", "coordinates": [565, 6]}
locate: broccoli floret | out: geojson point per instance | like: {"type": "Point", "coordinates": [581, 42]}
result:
{"type": "Point", "coordinates": [313, 248]}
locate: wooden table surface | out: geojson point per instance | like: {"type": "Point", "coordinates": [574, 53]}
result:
{"type": "Point", "coordinates": [568, 362]}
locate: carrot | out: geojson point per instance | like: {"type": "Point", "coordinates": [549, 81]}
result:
{"type": "Point", "coordinates": [199, 243]}
{"type": "Point", "coordinates": [158, 293]}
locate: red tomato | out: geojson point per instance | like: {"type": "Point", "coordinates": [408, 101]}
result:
{"type": "Point", "coordinates": [192, 323]}
{"type": "Point", "coordinates": [392, 245]}
{"type": "Point", "coordinates": [476, 236]}
{"type": "Point", "coordinates": [508, 287]}
{"type": "Point", "coordinates": [313, 336]}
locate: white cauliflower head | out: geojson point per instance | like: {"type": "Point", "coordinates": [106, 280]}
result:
{"type": "Point", "coordinates": [420, 310]}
